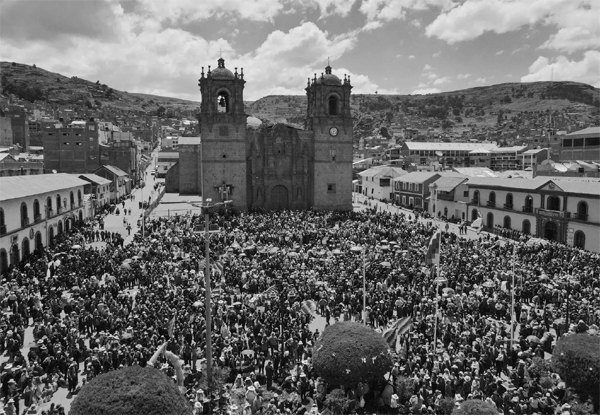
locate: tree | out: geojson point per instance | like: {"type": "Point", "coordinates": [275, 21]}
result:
{"type": "Point", "coordinates": [475, 407]}
{"type": "Point", "coordinates": [576, 359]}
{"type": "Point", "coordinates": [348, 353]}
{"type": "Point", "coordinates": [131, 391]}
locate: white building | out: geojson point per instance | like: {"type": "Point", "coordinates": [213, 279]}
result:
{"type": "Point", "coordinates": [377, 181]}
{"type": "Point", "coordinates": [34, 210]}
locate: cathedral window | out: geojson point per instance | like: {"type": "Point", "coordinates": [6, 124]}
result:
{"type": "Point", "coordinates": [223, 102]}
{"type": "Point", "coordinates": [334, 105]}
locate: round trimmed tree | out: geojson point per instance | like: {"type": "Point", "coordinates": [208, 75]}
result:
{"type": "Point", "coordinates": [476, 407]}
{"type": "Point", "coordinates": [348, 353]}
{"type": "Point", "coordinates": [576, 359]}
{"type": "Point", "coordinates": [132, 390]}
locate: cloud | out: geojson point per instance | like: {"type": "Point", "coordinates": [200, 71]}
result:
{"type": "Point", "coordinates": [425, 91]}
{"type": "Point", "coordinates": [372, 26]}
{"type": "Point", "coordinates": [442, 80]}
{"type": "Point", "coordinates": [479, 81]}
{"type": "Point", "coordinates": [521, 49]}
{"type": "Point", "coordinates": [411, 57]}
{"type": "Point", "coordinates": [500, 52]}
{"type": "Point", "coordinates": [577, 21]}
{"type": "Point", "coordinates": [437, 54]}
{"type": "Point", "coordinates": [427, 67]}
{"type": "Point", "coordinates": [587, 70]}
{"type": "Point", "coordinates": [331, 7]}
{"type": "Point", "coordinates": [463, 75]}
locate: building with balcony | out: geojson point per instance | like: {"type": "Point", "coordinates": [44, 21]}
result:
{"type": "Point", "coordinates": [567, 211]}
{"type": "Point", "coordinates": [507, 158]}
{"type": "Point", "coordinates": [377, 182]}
{"type": "Point", "coordinates": [581, 145]}
{"type": "Point", "coordinates": [447, 154]}
{"type": "Point", "coordinates": [99, 190]}
{"type": "Point", "coordinates": [449, 197]}
{"type": "Point", "coordinates": [120, 184]}
{"type": "Point", "coordinates": [412, 189]}
{"type": "Point", "coordinates": [34, 210]}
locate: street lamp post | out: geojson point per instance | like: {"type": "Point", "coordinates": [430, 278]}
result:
{"type": "Point", "coordinates": [438, 280]}
{"type": "Point", "coordinates": [364, 269]}
{"type": "Point", "coordinates": [206, 206]}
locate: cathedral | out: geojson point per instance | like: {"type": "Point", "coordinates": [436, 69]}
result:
{"type": "Point", "coordinates": [270, 167]}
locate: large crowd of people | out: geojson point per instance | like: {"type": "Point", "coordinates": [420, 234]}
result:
{"type": "Point", "coordinates": [95, 310]}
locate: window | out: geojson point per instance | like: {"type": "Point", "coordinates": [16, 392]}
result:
{"type": "Point", "coordinates": [333, 105]}
{"type": "Point", "coordinates": [72, 198]}
{"type": "Point", "coordinates": [65, 143]}
{"type": "Point", "coordinates": [476, 197]}
{"type": "Point", "coordinates": [332, 155]}
{"type": "Point", "coordinates": [507, 222]}
{"type": "Point", "coordinates": [331, 188]}
{"type": "Point", "coordinates": [509, 201]}
{"type": "Point", "coordinates": [36, 210]}
{"type": "Point", "coordinates": [24, 215]}
{"type": "Point", "coordinates": [92, 127]}
{"type": "Point", "coordinates": [492, 197]}
{"type": "Point", "coordinates": [553, 203]}
{"type": "Point", "coordinates": [582, 210]}
{"type": "Point", "coordinates": [223, 102]}
{"type": "Point", "coordinates": [384, 182]}
{"type": "Point", "coordinates": [526, 229]}
{"type": "Point", "coordinates": [79, 197]}
{"type": "Point", "coordinates": [2, 223]}
{"type": "Point", "coordinates": [404, 200]}
{"type": "Point", "coordinates": [78, 143]}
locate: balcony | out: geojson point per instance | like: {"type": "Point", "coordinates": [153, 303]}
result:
{"type": "Point", "coordinates": [49, 213]}
{"type": "Point", "coordinates": [37, 218]}
{"type": "Point", "coordinates": [553, 213]}
{"type": "Point", "coordinates": [475, 201]}
{"type": "Point", "coordinates": [580, 216]}
{"type": "Point", "coordinates": [508, 207]}
{"type": "Point", "coordinates": [528, 209]}
{"type": "Point", "coordinates": [490, 203]}
{"type": "Point", "coordinates": [24, 222]}
{"type": "Point", "coordinates": [59, 210]}
{"type": "Point", "coordinates": [2, 229]}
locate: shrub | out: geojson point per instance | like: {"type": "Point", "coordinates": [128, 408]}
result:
{"type": "Point", "coordinates": [337, 401]}
{"type": "Point", "coordinates": [446, 406]}
{"type": "Point", "coordinates": [131, 391]}
{"type": "Point", "coordinates": [348, 353]}
{"type": "Point", "coordinates": [475, 407]}
{"type": "Point", "coordinates": [577, 361]}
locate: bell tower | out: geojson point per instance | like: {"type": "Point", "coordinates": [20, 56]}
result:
{"type": "Point", "coordinates": [223, 135]}
{"type": "Point", "coordinates": [330, 120]}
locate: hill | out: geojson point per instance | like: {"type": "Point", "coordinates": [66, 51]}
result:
{"type": "Point", "coordinates": [473, 110]}
{"type": "Point", "coordinates": [36, 84]}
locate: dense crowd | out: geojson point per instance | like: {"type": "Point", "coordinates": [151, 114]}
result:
{"type": "Point", "coordinates": [95, 310]}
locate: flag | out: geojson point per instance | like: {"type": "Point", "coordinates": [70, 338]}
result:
{"type": "Point", "coordinates": [433, 251]}
{"type": "Point", "coordinates": [400, 327]}
{"type": "Point", "coordinates": [217, 267]}
{"type": "Point", "coordinates": [271, 292]}
{"type": "Point", "coordinates": [172, 326]}
{"type": "Point", "coordinates": [309, 307]}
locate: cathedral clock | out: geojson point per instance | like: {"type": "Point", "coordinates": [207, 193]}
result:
{"type": "Point", "coordinates": [333, 131]}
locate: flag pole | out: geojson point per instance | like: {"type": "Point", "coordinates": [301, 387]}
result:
{"type": "Point", "coordinates": [437, 304]}
{"type": "Point", "coordinates": [512, 301]}
{"type": "Point", "coordinates": [364, 286]}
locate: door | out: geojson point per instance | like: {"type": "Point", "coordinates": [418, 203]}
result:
{"type": "Point", "coordinates": [551, 231]}
{"type": "Point", "coordinates": [279, 198]}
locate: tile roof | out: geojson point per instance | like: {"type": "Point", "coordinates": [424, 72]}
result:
{"type": "Point", "coordinates": [94, 178]}
{"type": "Point", "coordinates": [418, 177]}
{"type": "Point", "coordinates": [113, 169]}
{"type": "Point", "coordinates": [15, 187]}
{"type": "Point", "coordinates": [383, 171]}
{"type": "Point", "coordinates": [524, 184]}
{"type": "Point", "coordinates": [449, 183]}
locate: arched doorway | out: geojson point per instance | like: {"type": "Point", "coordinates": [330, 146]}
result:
{"type": "Point", "coordinates": [528, 204]}
{"type": "Point", "coordinates": [551, 231]}
{"type": "Point", "coordinates": [579, 240]}
{"type": "Point", "coordinates": [490, 220]}
{"type": "Point", "coordinates": [50, 236]}
{"type": "Point", "coordinates": [80, 217]}
{"type": "Point", "coordinates": [68, 224]}
{"type": "Point", "coordinates": [526, 227]}
{"type": "Point", "coordinates": [553, 203]}
{"type": "Point", "coordinates": [25, 248]}
{"type": "Point", "coordinates": [507, 222]}
{"type": "Point", "coordinates": [60, 228]}
{"type": "Point", "coordinates": [279, 199]}
{"type": "Point", "coordinates": [39, 245]}
{"type": "Point", "coordinates": [3, 261]}
{"type": "Point", "coordinates": [15, 255]}
{"type": "Point", "coordinates": [473, 215]}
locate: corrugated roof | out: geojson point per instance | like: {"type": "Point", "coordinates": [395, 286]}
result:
{"type": "Point", "coordinates": [512, 149]}
{"type": "Point", "coordinates": [6, 156]}
{"type": "Point", "coordinates": [383, 171]}
{"type": "Point", "coordinates": [114, 170]}
{"type": "Point", "coordinates": [475, 171]}
{"type": "Point", "coordinates": [586, 132]}
{"type": "Point", "coordinates": [15, 187]}
{"type": "Point", "coordinates": [579, 187]}
{"type": "Point", "coordinates": [449, 183]}
{"type": "Point", "coordinates": [419, 145]}
{"type": "Point", "coordinates": [417, 177]}
{"type": "Point", "coordinates": [95, 178]}
{"type": "Point", "coordinates": [525, 184]}
{"type": "Point", "coordinates": [189, 141]}
{"type": "Point", "coordinates": [535, 151]}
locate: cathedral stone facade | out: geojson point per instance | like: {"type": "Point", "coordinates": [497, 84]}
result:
{"type": "Point", "coordinates": [270, 167]}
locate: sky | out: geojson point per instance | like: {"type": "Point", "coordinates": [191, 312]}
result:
{"type": "Point", "coordinates": [385, 46]}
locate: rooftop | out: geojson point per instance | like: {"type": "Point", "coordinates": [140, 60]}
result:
{"type": "Point", "coordinates": [419, 145]}
{"type": "Point", "coordinates": [189, 141]}
{"type": "Point", "coordinates": [114, 170]}
{"type": "Point", "coordinates": [94, 178]}
{"type": "Point", "coordinates": [16, 187]}
{"type": "Point", "coordinates": [418, 177]}
{"type": "Point", "coordinates": [383, 171]}
{"type": "Point", "coordinates": [449, 183]}
{"type": "Point", "coordinates": [586, 132]}
{"type": "Point", "coordinates": [524, 184]}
